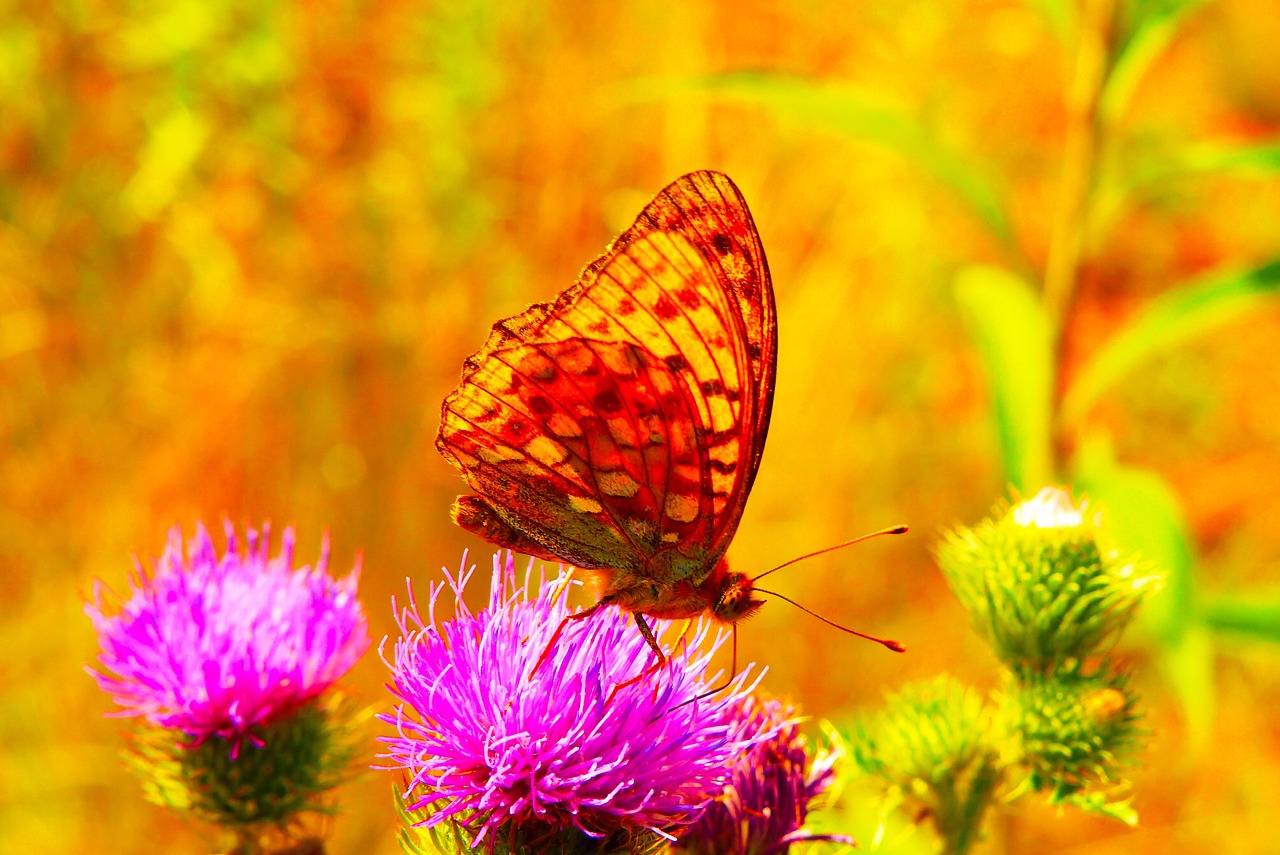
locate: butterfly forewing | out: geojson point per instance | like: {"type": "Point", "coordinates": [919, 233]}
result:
{"type": "Point", "coordinates": [621, 425]}
{"type": "Point", "coordinates": [707, 208]}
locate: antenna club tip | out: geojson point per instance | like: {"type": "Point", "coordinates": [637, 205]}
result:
{"type": "Point", "coordinates": [895, 646]}
{"type": "Point", "coordinates": [898, 529]}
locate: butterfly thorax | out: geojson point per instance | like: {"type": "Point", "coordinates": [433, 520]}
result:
{"type": "Point", "coordinates": [723, 594]}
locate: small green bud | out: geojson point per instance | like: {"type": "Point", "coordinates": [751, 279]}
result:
{"type": "Point", "coordinates": [1077, 734]}
{"type": "Point", "coordinates": [1040, 583]}
{"type": "Point", "coordinates": [934, 746]}
{"type": "Point", "coordinates": [263, 788]}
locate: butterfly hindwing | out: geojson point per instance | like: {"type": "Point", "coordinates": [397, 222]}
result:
{"type": "Point", "coordinates": [568, 454]}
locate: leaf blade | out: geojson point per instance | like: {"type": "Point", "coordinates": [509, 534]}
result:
{"type": "Point", "coordinates": [1169, 320]}
{"type": "Point", "coordinates": [1013, 336]}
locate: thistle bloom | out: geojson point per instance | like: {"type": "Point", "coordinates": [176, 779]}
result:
{"type": "Point", "coordinates": [571, 748]}
{"type": "Point", "coordinates": [763, 810]}
{"type": "Point", "coordinates": [220, 645]}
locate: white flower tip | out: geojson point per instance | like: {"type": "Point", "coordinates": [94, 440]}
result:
{"type": "Point", "coordinates": [1051, 508]}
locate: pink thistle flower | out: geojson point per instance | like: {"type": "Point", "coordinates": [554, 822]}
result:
{"type": "Point", "coordinates": [511, 755]}
{"type": "Point", "coordinates": [219, 645]}
{"type": "Point", "coordinates": [764, 808]}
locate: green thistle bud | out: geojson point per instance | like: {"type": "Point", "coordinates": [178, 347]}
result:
{"type": "Point", "coordinates": [933, 746]}
{"type": "Point", "coordinates": [1040, 584]}
{"type": "Point", "coordinates": [1078, 734]}
{"type": "Point", "coordinates": [262, 791]}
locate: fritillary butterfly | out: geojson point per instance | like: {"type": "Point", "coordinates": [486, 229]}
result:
{"type": "Point", "coordinates": [619, 427]}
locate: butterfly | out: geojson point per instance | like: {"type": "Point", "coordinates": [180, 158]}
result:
{"type": "Point", "coordinates": [619, 427]}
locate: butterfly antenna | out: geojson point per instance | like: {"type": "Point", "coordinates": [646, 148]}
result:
{"type": "Point", "coordinates": [895, 646]}
{"type": "Point", "coordinates": [896, 529]}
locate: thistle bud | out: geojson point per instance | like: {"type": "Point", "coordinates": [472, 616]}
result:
{"type": "Point", "coordinates": [934, 747]}
{"type": "Point", "coordinates": [1040, 583]}
{"type": "Point", "coordinates": [1078, 733]}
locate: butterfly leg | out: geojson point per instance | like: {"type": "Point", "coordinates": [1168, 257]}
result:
{"type": "Point", "coordinates": [653, 645]}
{"type": "Point", "coordinates": [582, 615]}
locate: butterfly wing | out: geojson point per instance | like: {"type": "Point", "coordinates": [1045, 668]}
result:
{"type": "Point", "coordinates": [621, 425]}
{"type": "Point", "coordinates": [708, 209]}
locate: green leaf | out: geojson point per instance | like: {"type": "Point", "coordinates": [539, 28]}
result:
{"type": "Point", "coordinates": [1142, 516]}
{"type": "Point", "coordinates": [1256, 617]}
{"type": "Point", "coordinates": [1169, 320]}
{"type": "Point", "coordinates": [1188, 666]}
{"type": "Point", "coordinates": [1011, 331]}
{"type": "Point", "coordinates": [870, 117]}
{"type": "Point", "coordinates": [1151, 30]}
{"type": "Point", "coordinates": [1254, 160]}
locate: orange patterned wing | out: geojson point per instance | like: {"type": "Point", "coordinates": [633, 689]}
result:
{"type": "Point", "coordinates": [621, 425]}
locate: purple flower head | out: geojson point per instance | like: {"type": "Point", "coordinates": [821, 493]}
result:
{"type": "Point", "coordinates": [485, 743]}
{"type": "Point", "coordinates": [215, 646]}
{"type": "Point", "coordinates": [763, 810]}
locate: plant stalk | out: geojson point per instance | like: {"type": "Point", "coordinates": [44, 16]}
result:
{"type": "Point", "coordinates": [1084, 135]}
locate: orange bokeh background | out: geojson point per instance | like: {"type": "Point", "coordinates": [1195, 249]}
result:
{"type": "Point", "coordinates": [245, 247]}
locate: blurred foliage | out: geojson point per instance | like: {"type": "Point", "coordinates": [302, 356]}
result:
{"type": "Point", "coordinates": [245, 246]}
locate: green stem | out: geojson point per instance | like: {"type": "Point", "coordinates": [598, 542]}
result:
{"type": "Point", "coordinates": [957, 820]}
{"type": "Point", "coordinates": [1069, 231]}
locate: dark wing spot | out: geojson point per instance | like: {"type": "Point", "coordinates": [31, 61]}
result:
{"type": "Point", "coordinates": [722, 242]}
{"type": "Point", "coordinates": [676, 363]}
{"type": "Point", "coordinates": [606, 401]}
{"type": "Point", "coordinates": [712, 387]}
{"type": "Point", "coordinates": [626, 306]}
{"type": "Point", "coordinates": [722, 467]}
{"type": "Point", "coordinates": [689, 298]}
{"type": "Point", "coordinates": [753, 350]}
{"type": "Point", "coordinates": [540, 405]}
{"type": "Point", "coordinates": [544, 373]}
{"type": "Point", "coordinates": [665, 309]}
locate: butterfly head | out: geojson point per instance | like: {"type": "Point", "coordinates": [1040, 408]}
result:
{"type": "Point", "coordinates": [735, 601]}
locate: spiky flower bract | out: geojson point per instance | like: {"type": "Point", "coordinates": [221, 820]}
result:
{"type": "Point", "coordinates": [577, 757]}
{"type": "Point", "coordinates": [218, 645]}
{"type": "Point", "coordinates": [1041, 584]}
{"type": "Point", "coordinates": [764, 808]}
{"type": "Point", "coordinates": [1078, 733]}
{"type": "Point", "coordinates": [301, 756]}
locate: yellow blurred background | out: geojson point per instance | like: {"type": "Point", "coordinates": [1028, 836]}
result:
{"type": "Point", "coordinates": [245, 247]}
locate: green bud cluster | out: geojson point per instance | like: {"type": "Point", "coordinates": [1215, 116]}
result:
{"type": "Point", "coordinates": [1044, 589]}
{"type": "Point", "coordinates": [263, 788]}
